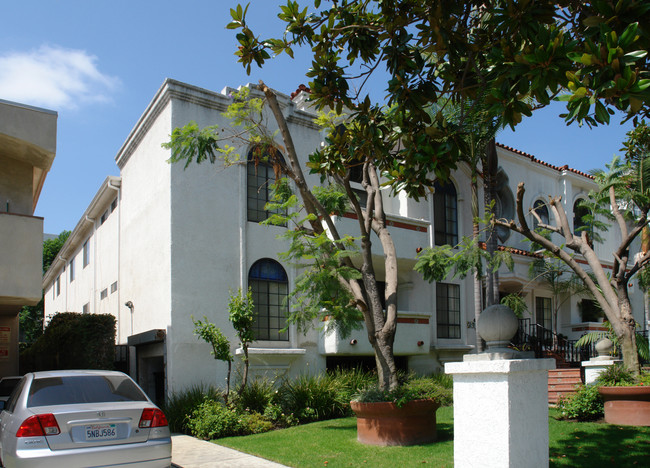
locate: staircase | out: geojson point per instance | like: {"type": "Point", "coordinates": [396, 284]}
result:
{"type": "Point", "coordinates": [562, 382]}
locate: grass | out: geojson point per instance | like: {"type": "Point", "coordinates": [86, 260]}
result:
{"type": "Point", "coordinates": [333, 443]}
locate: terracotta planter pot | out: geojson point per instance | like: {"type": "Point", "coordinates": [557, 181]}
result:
{"type": "Point", "coordinates": [628, 406]}
{"type": "Point", "coordinates": [384, 423]}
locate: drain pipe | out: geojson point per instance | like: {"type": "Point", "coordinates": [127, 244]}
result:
{"type": "Point", "coordinates": [117, 189]}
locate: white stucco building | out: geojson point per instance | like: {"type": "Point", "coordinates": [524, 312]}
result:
{"type": "Point", "coordinates": [160, 244]}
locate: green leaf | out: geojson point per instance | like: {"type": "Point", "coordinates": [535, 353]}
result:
{"type": "Point", "coordinates": [628, 35]}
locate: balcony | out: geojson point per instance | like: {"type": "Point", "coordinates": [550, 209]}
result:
{"type": "Point", "coordinates": [413, 337]}
{"type": "Point", "coordinates": [21, 251]}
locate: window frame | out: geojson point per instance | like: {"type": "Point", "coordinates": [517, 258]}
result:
{"type": "Point", "coordinates": [269, 293]}
{"type": "Point", "coordinates": [444, 320]}
{"type": "Point", "coordinates": [445, 214]}
{"type": "Point", "coordinates": [536, 205]}
{"type": "Point", "coordinates": [544, 305]}
{"type": "Point", "coordinates": [258, 188]}
{"type": "Point", "coordinates": [86, 254]}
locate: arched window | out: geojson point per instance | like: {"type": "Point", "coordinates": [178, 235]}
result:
{"type": "Point", "coordinates": [541, 209]}
{"type": "Point", "coordinates": [445, 211]}
{"type": "Point", "coordinates": [270, 287]}
{"type": "Point", "coordinates": [260, 178]}
{"type": "Point", "coordinates": [580, 223]}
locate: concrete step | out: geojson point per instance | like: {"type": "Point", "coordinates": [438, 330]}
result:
{"type": "Point", "coordinates": [561, 383]}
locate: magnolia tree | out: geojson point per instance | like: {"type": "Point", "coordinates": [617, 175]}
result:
{"type": "Point", "coordinates": [623, 199]}
{"type": "Point", "coordinates": [521, 55]}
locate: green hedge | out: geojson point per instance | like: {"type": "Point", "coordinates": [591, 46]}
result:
{"type": "Point", "coordinates": [73, 341]}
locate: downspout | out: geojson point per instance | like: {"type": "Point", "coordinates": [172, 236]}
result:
{"type": "Point", "coordinates": [94, 288]}
{"type": "Point", "coordinates": [66, 282]}
{"type": "Point", "coordinates": [119, 250]}
{"type": "Point", "coordinates": [243, 220]}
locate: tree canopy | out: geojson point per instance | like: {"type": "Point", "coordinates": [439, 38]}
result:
{"type": "Point", "coordinates": [522, 54]}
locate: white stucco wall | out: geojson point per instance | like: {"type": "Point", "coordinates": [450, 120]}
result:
{"type": "Point", "coordinates": [145, 241]}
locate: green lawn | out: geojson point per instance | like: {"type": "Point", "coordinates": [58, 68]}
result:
{"type": "Point", "coordinates": [333, 444]}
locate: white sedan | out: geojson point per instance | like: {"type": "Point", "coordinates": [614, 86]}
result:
{"type": "Point", "coordinates": [82, 418]}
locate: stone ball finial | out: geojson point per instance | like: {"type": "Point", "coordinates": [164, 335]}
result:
{"type": "Point", "coordinates": [497, 324]}
{"type": "Point", "coordinates": [604, 347]}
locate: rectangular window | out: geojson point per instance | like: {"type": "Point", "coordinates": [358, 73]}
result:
{"type": "Point", "coordinates": [113, 205]}
{"type": "Point", "coordinates": [113, 287]}
{"type": "Point", "coordinates": [271, 310]}
{"type": "Point", "coordinates": [102, 220]}
{"type": "Point", "coordinates": [71, 270]}
{"type": "Point", "coordinates": [448, 310]}
{"type": "Point", "coordinates": [103, 294]}
{"type": "Point", "coordinates": [86, 308]}
{"type": "Point", "coordinates": [260, 179]}
{"type": "Point", "coordinates": [543, 313]}
{"type": "Point", "coordinates": [86, 254]}
{"type": "Point", "coordinates": [58, 285]}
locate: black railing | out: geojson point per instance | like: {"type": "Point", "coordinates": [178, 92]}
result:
{"type": "Point", "coordinates": [545, 343]}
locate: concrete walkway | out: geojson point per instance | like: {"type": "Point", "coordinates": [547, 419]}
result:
{"type": "Point", "coordinates": [189, 452]}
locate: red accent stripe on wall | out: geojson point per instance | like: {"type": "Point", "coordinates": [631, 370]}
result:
{"type": "Point", "coordinates": [423, 321]}
{"type": "Point", "coordinates": [397, 224]}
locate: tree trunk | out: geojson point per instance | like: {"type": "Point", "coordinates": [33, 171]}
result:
{"type": "Point", "coordinates": [489, 188]}
{"type": "Point", "coordinates": [627, 341]}
{"type": "Point", "coordinates": [386, 369]}
{"type": "Point", "coordinates": [478, 268]}
{"type": "Point", "coordinates": [646, 304]}
{"type": "Point", "coordinates": [245, 378]}
{"type": "Point", "coordinates": [225, 398]}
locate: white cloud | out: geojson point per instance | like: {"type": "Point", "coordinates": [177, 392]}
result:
{"type": "Point", "coordinates": [54, 77]}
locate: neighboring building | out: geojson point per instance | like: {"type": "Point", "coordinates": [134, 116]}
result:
{"type": "Point", "coordinates": [162, 244]}
{"type": "Point", "coordinates": [27, 149]}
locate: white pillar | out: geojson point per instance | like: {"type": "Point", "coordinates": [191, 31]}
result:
{"type": "Point", "coordinates": [500, 412]}
{"type": "Point", "coordinates": [595, 366]}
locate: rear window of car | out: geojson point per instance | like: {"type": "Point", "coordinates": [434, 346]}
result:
{"type": "Point", "coordinates": [83, 389]}
{"type": "Point", "coordinates": [7, 385]}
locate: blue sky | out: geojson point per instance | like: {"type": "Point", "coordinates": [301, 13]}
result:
{"type": "Point", "coordinates": [99, 63]}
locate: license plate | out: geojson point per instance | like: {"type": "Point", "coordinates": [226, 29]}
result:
{"type": "Point", "coordinates": [101, 432]}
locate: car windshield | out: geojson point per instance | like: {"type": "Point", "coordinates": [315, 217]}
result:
{"type": "Point", "coordinates": [83, 389]}
{"type": "Point", "coordinates": [7, 385]}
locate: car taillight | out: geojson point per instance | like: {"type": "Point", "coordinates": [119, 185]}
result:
{"type": "Point", "coordinates": [39, 425]}
{"type": "Point", "coordinates": [152, 417]}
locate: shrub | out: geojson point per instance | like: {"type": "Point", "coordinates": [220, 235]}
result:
{"type": "Point", "coordinates": [256, 396]}
{"type": "Point", "coordinates": [616, 376]}
{"type": "Point", "coordinates": [310, 398]}
{"type": "Point", "coordinates": [179, 406]}
{"type": "Point", "coordinates": [278, 417]}
{"type": "Point", "coordinates": [348, 382]}
{"type": "Point", "coordinates": [415, 388]}
{"type": "Point", "coordinates": [584, 405]}
{"type": "Point", "coordinates": [73, 341]}
{"type": "Point", "coordinates": [212, 420]}
{"type": "Point", "coordinates": [255, 423]}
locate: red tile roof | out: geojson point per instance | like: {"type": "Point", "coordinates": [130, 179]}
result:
{"type": "Point", "coordinates": [543, 163]}
{"type": "Point", "coordinates": [302, 87]}
{"type": "Point", "coordinates": [512, 250]}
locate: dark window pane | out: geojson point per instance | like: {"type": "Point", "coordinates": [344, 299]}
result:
{"type": "Point", "coordinates": [269, 284]}
{"type": "Point", "coordinates": [260, 178]}
{"type": "Point", "coordinates": [445, 221]}
{"type": "Point", "coordinates": [82, 389]}
{"type": "Point", "coordinates": [448, 310]}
